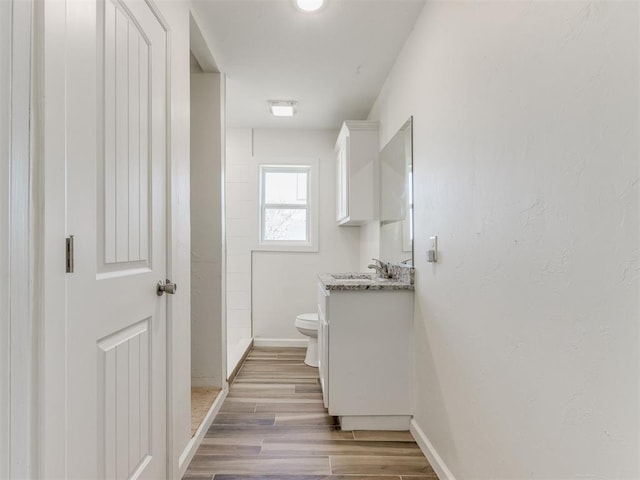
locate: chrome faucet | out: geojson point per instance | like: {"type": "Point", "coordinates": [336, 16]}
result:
{"type": "Point", "coordinates": [381, 268]}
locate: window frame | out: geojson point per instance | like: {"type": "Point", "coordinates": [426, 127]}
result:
{"type": "Point", "coordinates": [309, 245]}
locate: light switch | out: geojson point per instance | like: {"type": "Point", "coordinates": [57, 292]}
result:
{"type": "Point", "coordinates": [432, 252]}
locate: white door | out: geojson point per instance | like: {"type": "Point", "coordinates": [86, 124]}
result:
{"type": "Point", "coordinates": [116, 190]}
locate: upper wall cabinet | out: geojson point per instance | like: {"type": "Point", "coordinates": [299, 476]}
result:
{"type": "Point", "coordinates": [357, 167]}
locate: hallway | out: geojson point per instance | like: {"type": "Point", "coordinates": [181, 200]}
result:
{"type": "Point", "coordinates": [273, 426]}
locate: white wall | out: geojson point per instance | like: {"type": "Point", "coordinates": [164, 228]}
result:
{"type": "Point", "coordinates": [206, 232]}
{"type": "Point", "coordinates": [284, 283]}
{"type": "Point", "coordinates": [526, 166]}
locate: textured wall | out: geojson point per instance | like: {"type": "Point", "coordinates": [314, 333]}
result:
{"type": "Point", "coordinates": [526, 166]}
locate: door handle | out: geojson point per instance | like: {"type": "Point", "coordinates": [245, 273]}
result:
{"type": "Point", "coordinates": [166, 287]}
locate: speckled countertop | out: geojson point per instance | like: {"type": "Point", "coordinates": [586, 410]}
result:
{"type": "Point", "coordinates": [361, 281]}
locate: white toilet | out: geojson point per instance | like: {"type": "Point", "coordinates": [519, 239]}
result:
{"type": "Point", "coordinates": [307, 324]}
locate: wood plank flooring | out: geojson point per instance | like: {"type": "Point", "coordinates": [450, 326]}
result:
{"type": "Point", "coordinates": [273, 426]}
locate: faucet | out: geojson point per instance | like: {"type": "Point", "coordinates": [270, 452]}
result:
{"type": "Point", "coordinates": [380, 267]}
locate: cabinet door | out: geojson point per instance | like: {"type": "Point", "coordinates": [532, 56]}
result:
{"type": "Point", "coordinates": [342, 191]}
{"type": "Point", "coordinates": [323, 357]}
{"type": "Point", "coordinates": [323, 341]}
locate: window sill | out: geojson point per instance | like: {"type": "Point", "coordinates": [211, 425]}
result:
{"type": "Point", "coordinates": [286, 247]}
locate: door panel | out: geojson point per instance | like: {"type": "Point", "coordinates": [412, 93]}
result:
{"type": "Point", "coordinates": [116, 177]}
{"type": "Point", "coordinates": [124, 207]}
{"type": "Point", "coordinates": [124, 403]}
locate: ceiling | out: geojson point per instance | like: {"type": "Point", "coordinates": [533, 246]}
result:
{"type": "Point", "coordinates": [332, 62]}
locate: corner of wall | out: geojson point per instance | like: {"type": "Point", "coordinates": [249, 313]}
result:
{"type": "Point", "coordinates": [369, 243]}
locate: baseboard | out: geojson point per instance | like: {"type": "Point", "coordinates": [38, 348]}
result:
{"type": "Point", "coordinates": [194, 443]}
{"type": "Point", "coordinates": [238, 366]}
{"type": "Point", "coordinates": [430, 452]}
{"type": "Point", "coordinates": [375, 422]}
{"type": "Point", "coordinates": [280, 342]}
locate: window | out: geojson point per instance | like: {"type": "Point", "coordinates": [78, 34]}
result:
{"type": "Point", "coordinates": [285, 209]}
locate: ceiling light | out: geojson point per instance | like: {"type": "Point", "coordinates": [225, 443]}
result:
{"type": "Point", "coordinates": [309, 5]}
{"type": "Point", "coordinates": [282, 108]}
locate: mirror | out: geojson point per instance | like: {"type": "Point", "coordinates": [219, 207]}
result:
{"type": "Point", "coordinates": [396, 197]}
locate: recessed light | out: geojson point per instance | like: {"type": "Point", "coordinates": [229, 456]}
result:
{"type": "Point", "coordinates": [282, 108]}
{"type": "Point", "coordinates": [309, 5]}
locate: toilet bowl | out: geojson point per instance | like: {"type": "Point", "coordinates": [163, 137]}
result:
{"type": "Point", "coordinates": [307, 324]}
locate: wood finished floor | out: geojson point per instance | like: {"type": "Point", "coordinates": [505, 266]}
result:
{"type": "Point", "coordinates": [273, 426]}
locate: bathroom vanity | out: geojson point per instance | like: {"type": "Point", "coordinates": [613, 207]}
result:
{"type": "Point", "coordinates": [364, 344]}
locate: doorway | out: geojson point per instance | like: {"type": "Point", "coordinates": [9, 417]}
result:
{"type": "Point", "coordinates": [208, 353]}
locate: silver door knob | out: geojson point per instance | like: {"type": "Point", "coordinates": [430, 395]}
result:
{"type": "Point", "coordinates": [166, 287]}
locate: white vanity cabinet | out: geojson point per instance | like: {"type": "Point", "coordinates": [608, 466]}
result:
{"type": "Point", "coordinates": [356, 172]}
{"type": "Point", "coordinates": [323, 345]}
{"type": "Point", "coordinates": [364, 343]}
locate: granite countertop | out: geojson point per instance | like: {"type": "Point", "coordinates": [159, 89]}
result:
{"type": "Point", "coordinates": [361, 281]}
